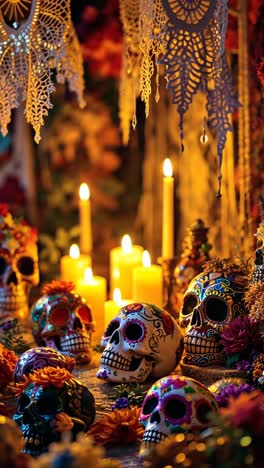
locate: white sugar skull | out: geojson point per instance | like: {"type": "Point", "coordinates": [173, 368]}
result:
{"type": "Point", "coordinates": [174, 404]}
{"type": "Point", "coordinates": [211, 302]}
{"type": "Point", "coordinates": [18, 265]}
{"type": "Point", "coordinates": [142, 340]}
{"type": "Point", "coordinates": [62, 320]}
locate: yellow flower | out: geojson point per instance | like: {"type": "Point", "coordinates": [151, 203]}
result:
{"type": "Point", "coordinates": [117, 428]}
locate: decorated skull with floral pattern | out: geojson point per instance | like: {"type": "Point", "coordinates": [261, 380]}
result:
{"type": "Point", "coordinates": [142, 340]}
{"type": "Point", "coordinates": [37, 358]}
{"type": "Point", "coordinates": [18, 265]}
{"type": "Point", "coordinates": [52, 402]}
{"type": "Point", "coordinates": [174, 404]}
{"type": "Point", "coordinates": [211, 301]}
{"type": "Point", "coordinates": [62, 320]}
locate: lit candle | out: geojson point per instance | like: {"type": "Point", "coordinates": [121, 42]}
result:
{"type": "Point", "coordinates": [112, 307]}
{"type": "Point", "coordinates": [73, 265]}
{"type": "Point", "coordinates": [147, 282]}
{"type": "Point", "coordinates": [93, 289]}
{"type": "Point", "coordinates": [168, 211]}
{"type": "Point", "coordinates": [122, 262]}
{"type": "Point", "coordinates": [85, 219]}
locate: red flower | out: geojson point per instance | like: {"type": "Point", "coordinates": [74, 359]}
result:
{"type": "Point", "coordinates": [3, 209]}
{"type": "Point", "coordinates": [167, 323]}
{"type": "Point", "coordinates": [241, 336]}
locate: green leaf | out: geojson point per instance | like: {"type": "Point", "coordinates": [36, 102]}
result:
{"type": "Point", "coordinates": [232, 359]}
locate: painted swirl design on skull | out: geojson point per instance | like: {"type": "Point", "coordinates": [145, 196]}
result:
{"type": "Point", "coordinates": [174, 404]}
{"type": "Point", "coordinates": [211, 302]}
{"type": "Point", "coordinates": [63, 321]}
{"type": "Point", "coordinates": [142, 340]}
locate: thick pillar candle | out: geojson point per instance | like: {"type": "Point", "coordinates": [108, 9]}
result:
{"type": "Point", "coordinates": [168, 211]}
{"type": "Point", "coordinates": [85, 220]}
{"type": "Point", "coordinates": [93, 289]}
{"type": "Point", "coordinates": [112, 307]}
{"type": "Point", "coordinates": [122, 262]}
{"type": "Point", "coordinates": [147, 282]}
{"type": "Point", "coordinates": [72, 266]}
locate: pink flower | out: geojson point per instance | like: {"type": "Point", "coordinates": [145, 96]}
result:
{"type": "Point", "coordinates": [242, 335]}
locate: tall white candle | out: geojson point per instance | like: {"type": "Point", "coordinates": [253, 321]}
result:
{"type": "Point", "coordinates": [85, 219]}
{"type": "Point", "coordinates": [168, 211]}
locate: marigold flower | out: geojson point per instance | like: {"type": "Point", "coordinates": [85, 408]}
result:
{"type": "Point", "coordinates": [57, 287]}
{"type": "Point", "coordinates": [63, 422]}
{"type": "Point", "coordinates": [117, 428]}
{"type": "Point", "coordinates": [55, 376]}
{"type": "Point", "coordinates": [8, 362]}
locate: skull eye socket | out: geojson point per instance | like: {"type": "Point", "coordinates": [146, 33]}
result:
{"type": "Point", "coordinates": [23, 403]}
{"type": "Point", "coordinates": [84, 313]}
{"type": "Point", "coordinates": [175, 409]}
{"type": "Point", "coordinates": [203, 408]}
{"type": "Point", "coordinates": [216, 309]}
{"type": "Point", "coordinates": [25, 266]}
{"type": "Point", "coordinates": [47, 404]}
{"type": "Point", "coordinates": [149, 405]}
{"type": "Point", "coordinates": [59, 315]}
{"type": "Point", "coordinates": [189, 304]}
{"type": "Point", "coordinates": [111, 327]}
{"type": "Point", "coordinates": [134, 331]}
{"type": "Point", "coordinates": [2, 265]}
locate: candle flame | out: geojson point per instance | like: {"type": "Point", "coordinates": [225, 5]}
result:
{"type": "Point", "coordinates": [74, 251]}
{"type": "Point", "coordinates": [146, 260]}
{"type": "Point", "coordinates": [88, 275]}
{"type": "Point", "coordinates": [117, 298]}
{"type": "Point", "coordinates": [126, 244]}
{"type": "Point", "coordinates": [167, 168]}
{"type": "Point", "coordinates": [84, 192]}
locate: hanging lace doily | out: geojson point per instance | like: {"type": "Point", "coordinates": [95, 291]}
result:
{"type": "Point", "coordinates": [187, 38]}
{"type": "Point", "coordinates": [36, 37]}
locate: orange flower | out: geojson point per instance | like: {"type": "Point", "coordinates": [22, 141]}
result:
{"type": "Point", "coordinates": [47, 376]}
{"type": "Point", "coordinates": [6, 372]}
{"type": "Point", "coordinates": [57, 287]}
{"type": "Point", "coordinates": [8, 362]}
{"type": "Point", "coordinates": [117, 428]}
{"type": "Point", "coordinates": [63, 422]}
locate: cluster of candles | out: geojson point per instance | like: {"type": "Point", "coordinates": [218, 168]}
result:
{"type": "Point", "coordinates": [132, 276]}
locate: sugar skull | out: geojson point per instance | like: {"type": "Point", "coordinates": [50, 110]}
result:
{"type": "Point", "coordinates": [211, 301]}
{"type": "Point", "coordinates": [142, 340]}
{"type": "Point", "coordinates": [52, 402]}
{"type": "Point", "coordinates": [18, 265]}
{"type": "Point", "coordinates": [37, 358]}
{"type": "Point", "coordinates": [62, 320]}
{"type": "Point", "coordinates": [174, 404]}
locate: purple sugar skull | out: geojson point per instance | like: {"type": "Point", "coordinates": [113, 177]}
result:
{"type": "Point", "coordinates": [174, 404]}
{"type": "Point", "coordinates": [37, 358]}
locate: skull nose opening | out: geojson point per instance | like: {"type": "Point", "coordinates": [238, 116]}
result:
{"type": "Point", "coordinates": [27, 417]}
{"type": "Point", "coordinates": [155, 417]}
{"type": "Point", "coordinates": [12, 279]}
{"type": "Point", "coordinates": [196, 318]}
{"type": "Point", "coordinates": [114, 338]}
{"type": "Point", "coordinates": [77, 325]}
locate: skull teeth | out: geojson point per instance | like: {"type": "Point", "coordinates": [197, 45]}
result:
{"type": "Point", "coordinates": [153, 436]}
{"type": "Point", "coordinates": [197, 345]}
{"type": "Point", "coordinates": [75, 344]}
{"type": "Point", "coordinates": [115, 360]}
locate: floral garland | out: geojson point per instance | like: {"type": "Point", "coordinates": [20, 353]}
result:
{"type": "Point", "coordinates": [15, 229]}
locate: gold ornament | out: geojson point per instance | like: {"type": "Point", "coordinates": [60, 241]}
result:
{"type": "Point", "coordinates": [36, 38]}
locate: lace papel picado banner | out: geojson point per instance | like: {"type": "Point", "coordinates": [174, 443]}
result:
{"type": "Point", "coordinates": [36, 38]}
{"type": "Point", "coordinates": [186, 37]}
